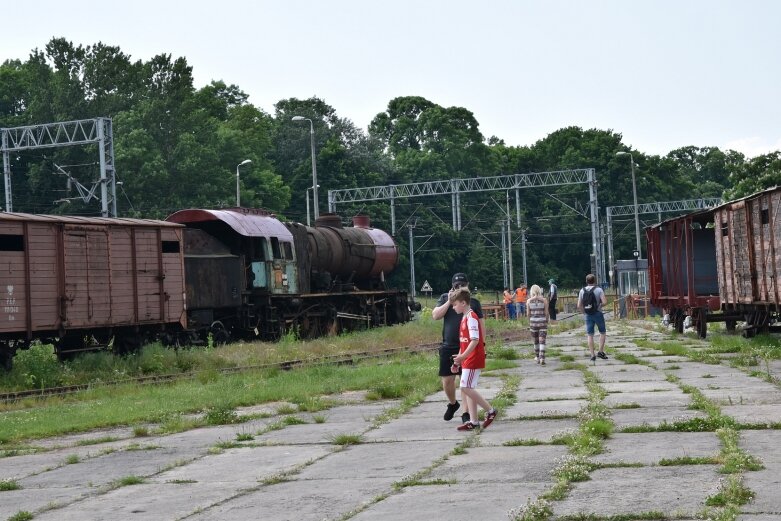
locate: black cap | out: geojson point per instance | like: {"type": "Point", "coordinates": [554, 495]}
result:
{"type": "Point", "coordinates": [459, 278]}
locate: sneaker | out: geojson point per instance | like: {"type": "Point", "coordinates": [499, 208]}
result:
{"type": "Point", "coordinates": [537, 360]}
{"type": "Point", "coordinates": [542, 362]}
{"type": "Point", "coordinates": [602, 355]}
{"type": "Point", "coordinates": [465, 418]}
{"type": "Point", "coordinates": [594, 358]}
{"type": "Point", "coordinates": [489, 418]}
{"type": "Point", "coordinates": [451, 410]}
{"type": "Point", "coordinates": [468, 426]}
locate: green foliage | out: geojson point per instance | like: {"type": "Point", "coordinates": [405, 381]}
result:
{"type": "Point", "coordinates": [221, 415]}
{"type": "Point", "coordinates": [9, 484]}
{"type": "Point", "coordinates": [37, 366]}
{"type": "Point", "coordinates": [22, 515]}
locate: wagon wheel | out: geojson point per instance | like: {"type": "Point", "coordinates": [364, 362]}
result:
{"type": "Point", "coordinates": [678, 320]}
{"type": "Point", "coordinates": [220, 334]}
{"type": "Point", "coordinates": [702, 322]}
{"type": "Point", "coordinates": [731, 324]}
{"type": "Point", "coordinates": [127, 343]}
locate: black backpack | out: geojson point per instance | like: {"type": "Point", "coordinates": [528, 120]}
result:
{"type": "Point", "coordinates": [590, 303]}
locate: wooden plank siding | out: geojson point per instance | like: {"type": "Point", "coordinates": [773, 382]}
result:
{"type": "Point", "coordinates": [76, 273]}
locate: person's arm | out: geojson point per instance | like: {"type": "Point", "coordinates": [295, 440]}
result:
{"type": "Point", "coordinates": [440, 311]}
{"type": "Point", "coordinates": [580, 301]}
{"type": "Point", "coordinates": [478, 309]}
{"type": "Point", "coordinates": [604, 298]}
{"type": "Point", "coordinates": [547, 310]}
{"type": "Point", "coordinates": [459, 359]}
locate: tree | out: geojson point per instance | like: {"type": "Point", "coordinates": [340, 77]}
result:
{"type": "Point", "coordinates": [758, 173]}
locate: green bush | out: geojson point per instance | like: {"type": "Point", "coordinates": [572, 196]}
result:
{"type": "Point", "coordinates": [38, 366]}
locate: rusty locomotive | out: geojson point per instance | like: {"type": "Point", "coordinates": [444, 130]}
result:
{"type": "Point", "coordinates": [235, 273]}
{"type": "Point", "coordinates": [720, 265]}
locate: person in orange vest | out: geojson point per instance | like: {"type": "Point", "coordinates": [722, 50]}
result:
{"type": "Point", "coordinates": [520, 299]}
{"type": "Point", "coordinates": [509, 302]}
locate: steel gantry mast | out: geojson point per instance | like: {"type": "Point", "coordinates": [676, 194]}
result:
{"type": "Point", "coordinates": [455, 187]}
{"type": "Point", "coordinates": [66, 133]}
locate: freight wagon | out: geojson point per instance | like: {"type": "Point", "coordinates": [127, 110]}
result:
{"type": "Point", "coordinates": [719, 265]}
{"type": "Point", "coordinates": [73, 281]}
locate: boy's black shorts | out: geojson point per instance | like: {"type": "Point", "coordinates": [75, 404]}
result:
{"type": "Point", "coordinates": [446, 354]}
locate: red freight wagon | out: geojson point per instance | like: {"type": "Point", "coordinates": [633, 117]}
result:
{"type": "Point", "coordinates": [748, 253]}
{"type": "Point", "coordinates": [65, 278]}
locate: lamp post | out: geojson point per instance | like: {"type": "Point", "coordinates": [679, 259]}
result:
{"type": "Point", "coordinates": [314, 166]}
{"type": "Point", "coordinates": [307, 204]}
{"type": "Point", "coordinates": [238, 195]}
{"type": "Point", "coordinates": [634, 194]}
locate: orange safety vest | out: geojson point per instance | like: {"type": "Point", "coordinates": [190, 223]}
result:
{"type": "Point", "coordinates": [508, 297]}
{"type": "Point", "coordinates": [521, 294]}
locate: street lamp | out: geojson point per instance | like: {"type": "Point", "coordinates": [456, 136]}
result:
{"type": "Point", "coordinates": [314, 167]}
{"type": "Point", "coordinates": [238, 196]}
{"type": "Point", "coordinates": [634, 194]}
{"type": "Point", "coordinates": [307, 204]}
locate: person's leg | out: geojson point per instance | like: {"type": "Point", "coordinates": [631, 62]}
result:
{"type": "Point", "coordinates": [591, 345]}
{"type": "Point", "coordinates": [600, 322]}
{"type": "Point", "coordinates": [474, 399]}
{"type": "Point", "coordinates": [590, 334]}
{"type": "Point", "coordinates": [449, 386]}
{"type": "Point", "coordinates": [543, 335]}
{"type": "Point", "coordinates": [536, 340]}
{"type": "Point", "coordinates": [448, 380]}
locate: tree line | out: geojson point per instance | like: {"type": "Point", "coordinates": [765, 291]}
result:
{"type": "Point", "coordinates": [177, 146]}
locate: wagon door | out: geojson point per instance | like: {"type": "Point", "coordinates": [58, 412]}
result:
{"type": "Point", "coordinates": [742, 251]}
{"type": "Point", "coordinates": [87, 279]}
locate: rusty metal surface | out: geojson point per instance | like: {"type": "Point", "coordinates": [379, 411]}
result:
{"type": "Point", "coordinates": [243, 221]}
{"type": "Point", "coordinates": [386, 252]}
{"type": "Point", "coordinates": [73, 219]}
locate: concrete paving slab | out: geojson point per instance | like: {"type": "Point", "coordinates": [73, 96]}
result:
{"type": "Point", "coordinates": [763, 444]}
{"type": "Point", "coordinates": [675, 491]}
{"type": "Point", "coordinates": [754, 414]}
{"type": "Point", "coordinates": [651, 416]}
{"type": "Point", "coordinates": [554, 380]}
{"type": "Point", "coordinates": [416, 429]}
{"type": "Point", "coordinates": [741, 396]}
{"type": "Point", "coordinates": [542, 409]}
{"type": "Point", "coordinates": [630, 374]}
{"type": "Point", "coordinates": [35, 499]}
{"type": "Point", "coordinates": [660, 399]}
{"type": "Point", "coordinates": [541, 395]}
{"type": "Point", "coordinates": [244, 467]}
{"type": "Point", "coordinates": [312, 500]}
{"type": "Point", "coordinates": [501, 464]}
{"type": "Point", "coordinates": [312, 433]}
{"type": "Point", "coordinates": [637, 387]}
{"type": "Point", "coordinates": [766, 485]}
{"type": "Point", "coordinates": [142, 502]}
{"type": "Point", "coordinates": [504, 431]}
{"type": "Point", "coordinates": [623, 447]}
{"type": "Point", "coordinates": [436, 502]}
{"type": "Point", "coordinates": [391, 461]}
{"type": "Point", "coordinates": [759, 517]}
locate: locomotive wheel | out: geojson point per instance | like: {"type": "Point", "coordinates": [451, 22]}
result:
{"type": "Point", "coordinates": [702, 322]}
{"type": "Point", "coordinates": [678, 320]}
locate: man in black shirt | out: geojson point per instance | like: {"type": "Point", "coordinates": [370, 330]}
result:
{"type": "Point", "coordinates": [450, 341]}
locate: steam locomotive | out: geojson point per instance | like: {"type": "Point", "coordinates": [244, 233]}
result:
{"type": "Point", "coordinates": [235, 273]}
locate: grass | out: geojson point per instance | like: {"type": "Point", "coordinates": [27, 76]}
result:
{"type": "Point", "coordinates": [167, 405]}
{"type": "Point", "coordinates": [7, 485]}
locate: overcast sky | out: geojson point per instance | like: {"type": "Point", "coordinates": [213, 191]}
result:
{"type": "Point", "coordinates": [664, 74]}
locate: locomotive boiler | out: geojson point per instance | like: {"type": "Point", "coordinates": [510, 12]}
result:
{"type": "Point", "coordinates": [250, 275]}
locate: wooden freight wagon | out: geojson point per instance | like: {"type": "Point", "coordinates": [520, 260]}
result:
{"type": "Point", "coordinates": [748, 253]}
{"type": "Point", "coordinates": [64, 279]}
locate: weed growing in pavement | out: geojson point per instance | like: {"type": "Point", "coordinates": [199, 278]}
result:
{"type": "Point", "coordinates": [221, 415]}
{"type": "Point", "coordinates": [570, 366]}
{"type": "Point", "coordinates": [734, 459]}
{"type": "Point", "coordinates": [732, 491]}
{"type": "Point", "coordinates": [287, 409]}
{"type": "Point", "coordinates": [72, 459]}
{"type": "Point", "coordinates": [244, 436]}
{"type": "Point", "coordinates": [315, 404]}
{"type": "Point", "coordinates": [8, 485]}
{"type": "Point", "coordinates": [127, 481]}
{"type": "Point", "coordinates": [319, 418]}
{"type": "Point", "coordinates": [628, 358]}
{"type": "Point", "coordinates": [501, 352]}
{"type": "Point", "coordinates": [688, 460]}
{"type": "Point", "coordinates": [140, 431]}
{"type": "Point", "coordinates": [22, 515]}
{"type": "Point", "coordinates": [533, 510]}
{"type": "Point", "coordinates": [631, 405]}
{"type": "Point", "coordinates": [571, 468]}
{"type": "Point", "coordinates": [97, 441]}
{"type": "Point", "coordinates": [346, 439]}
{"type": "Point", "coordinates": [566, 358]}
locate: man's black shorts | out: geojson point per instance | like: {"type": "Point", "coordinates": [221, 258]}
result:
{"type": "Point", "coordinates": [446, 360]}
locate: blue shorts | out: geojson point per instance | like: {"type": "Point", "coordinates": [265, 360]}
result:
{"type": "Point", "coordinates": [597, 319]}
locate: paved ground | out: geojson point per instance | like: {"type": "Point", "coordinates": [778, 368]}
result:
{"type": "Point", "coordinates": [299, 473]}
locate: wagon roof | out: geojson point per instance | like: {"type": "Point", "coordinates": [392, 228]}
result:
{"type": "Point", "coordinates": [247, 222]}
{"type": "Point", "coordinates": [76, 219]}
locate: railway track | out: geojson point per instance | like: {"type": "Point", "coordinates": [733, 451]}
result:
{"type": "Point", "coordinates": [345, 358]}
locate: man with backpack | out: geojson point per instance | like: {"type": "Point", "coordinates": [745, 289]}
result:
{"type": "Point", "coordinates": [590, 301]}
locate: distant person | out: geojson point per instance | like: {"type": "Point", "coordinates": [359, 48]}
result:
{"type": "Point", "coordinates": [553, 295]}
{"type": "Point", "coordinates": [590, 301]}
{"type": "Point", "coordinates": [471, 359]}
{"type": "Point", "coordinates": [537, 310]}
{"type": "Point", "coordinates": [509, 303]}
{"type": "Point", "coordinates": [520, 299]}
{"type": "Point", "coordinates": [451, 341]}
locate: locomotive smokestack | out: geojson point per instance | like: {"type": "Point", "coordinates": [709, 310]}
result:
{"type": "Point", "coordinates": [361, 221]}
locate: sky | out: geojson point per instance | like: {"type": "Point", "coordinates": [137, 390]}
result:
{"type": "Point", "coordinates": [664, 74]}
